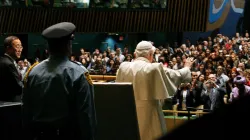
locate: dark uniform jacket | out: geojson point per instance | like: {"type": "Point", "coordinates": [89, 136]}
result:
{"type": "Point", "coordinates": [59, 95]}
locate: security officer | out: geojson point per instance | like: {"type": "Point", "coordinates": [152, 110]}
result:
{"type": "Point", "coordinates": [58, 101]}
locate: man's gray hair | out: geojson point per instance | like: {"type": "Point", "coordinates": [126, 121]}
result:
{"type": "Point", "coordinates": [144, 53]}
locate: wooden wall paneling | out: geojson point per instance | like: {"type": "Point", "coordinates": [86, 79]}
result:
{"type": "Point", "coordinates": [137, 20]}
{"type": "Point", "coordinates": [109, 21]}
{"type": "Point", "coordinates": [144, 22]}
{"type": "Point", "coordinates": [24, 20]}
{"type": "Point", "coordinates": [35, 17]}
{"type": "Point", "coordinates": [100, 21]}
{"type": "Point", "coordinates": [117, 28]}
{"type": "Point", "coordinates": [1, 20]}
{"type": "Point", "coordinates": [154, 21]}
{"type": "Point", "coordinates": [187, 14]}
{"type": "Point", "coordinates": [161, 16]}
{"type": "Point", "coordinates": [122, 21]}
{"type": "Point", "coordinates": [125, 27]}
{"type": "Point", "coordinates": [205, 17]}
{"type": "Point", "coordinates": [49, 17]}
{"type": "Point", "coordinates": [87, 21]}
{"type": "Point", "coordinates": [151, 15]}
{"type": "Point", "coordinates": [202, 15]}
{"type": "Point", "coordinates": [104, 27]}
{"type": "Point", "coordinates": [39, 19]}
{"type": "Point", "coordinates": [112, 21]}
{"type": "Point", "coordinates": [193, 24]}
{"type": "Point", "coordinates": [170, 15]}
{"type": "Point", "coordinates": [181, 15]}
{"type": "Point", "coordinates": [9, 20]}
{"type": "Point", "coordinates": [163, 20]}
{"type": "Point", "coordinates": [158, 21]}
{"type": "Point", "coordinates": [199, 15]}
{"type": "Point", "coordinates": [143, 25]}
{"type": "Point", "coordinates": [130, 22]}
{"type": "Point", "coordinates": [76, 18]}
{"type": "Point", "coordinates": [92, 21]}
{"type": "Point", "coordinates": [97, 20]}
{"type": "Point", "coordinates": [139, 15]}
{"type": "Point", "coordinates": [119, 19]}
{"type": "Point", "coordinates": [175, 16]}
{"type": "Point", "coordinates": [190, 14]}
{"type": "Point", "coordinates": [44, 20]}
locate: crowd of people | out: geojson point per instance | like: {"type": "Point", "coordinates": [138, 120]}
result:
{"type": "Point", "coordinates": [218, 69]}
{"type": "Point", "coordinates": [218, 62]}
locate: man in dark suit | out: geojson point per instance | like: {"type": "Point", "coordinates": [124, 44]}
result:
{"type": "Point", "coordinates": [11, 85]}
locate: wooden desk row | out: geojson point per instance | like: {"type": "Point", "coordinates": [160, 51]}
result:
{"type": "Point", "coordinates": [103, 78]}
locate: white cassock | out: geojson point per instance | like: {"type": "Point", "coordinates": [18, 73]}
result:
{"type": "Point", "coordinates": [151, 83]}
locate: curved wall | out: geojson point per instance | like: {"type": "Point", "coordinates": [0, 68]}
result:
{"type": "Point", "coordinates": [225, 17]}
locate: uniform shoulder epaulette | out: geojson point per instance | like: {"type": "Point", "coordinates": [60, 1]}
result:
{"type": "Point", "coordinates": [86, 73]}
{"type": "Point", "coordinates": [28, 72]}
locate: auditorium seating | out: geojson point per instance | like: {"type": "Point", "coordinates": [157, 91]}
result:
{"type": "Point", "coordinates": [107, 78]}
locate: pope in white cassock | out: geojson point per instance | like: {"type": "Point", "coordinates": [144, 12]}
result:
{"type": "Point", "coordinates": [152, 83]}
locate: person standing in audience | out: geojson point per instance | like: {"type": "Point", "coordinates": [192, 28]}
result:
{"type": "Point", "coordinates": [183, 97]}
{"type": "Point", "coordinates": [240, 90]}
{"type": "Point", "coordinates": [119, 55]}
{"type": "Point", "coordinates": [213, 94]}
{"type": "Point", "coordinates": [21, 68]}
{"type": "Point", "coordinates": [58, 101]}
{"type": "Point", "coordinates": [11, 85]}
{"type": "Point", "coordinates": [152, 84]}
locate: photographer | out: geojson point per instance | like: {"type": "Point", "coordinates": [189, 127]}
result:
{"type": "Point", "coordinates": [183, 98]}
{"type": "Point", "coordinates": [212, 96]}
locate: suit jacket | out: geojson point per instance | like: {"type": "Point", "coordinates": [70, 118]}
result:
{"type": "Point", "coordinates": [179, 96]}
{"type": "Point", "coordinates": [11, 85]}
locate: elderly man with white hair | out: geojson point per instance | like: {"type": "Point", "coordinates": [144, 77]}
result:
{"type": "Point", "coordinates": [152, 83]}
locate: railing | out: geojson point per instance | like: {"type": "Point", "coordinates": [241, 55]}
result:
{"type": "Point", "coordinates": [184, 112]}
